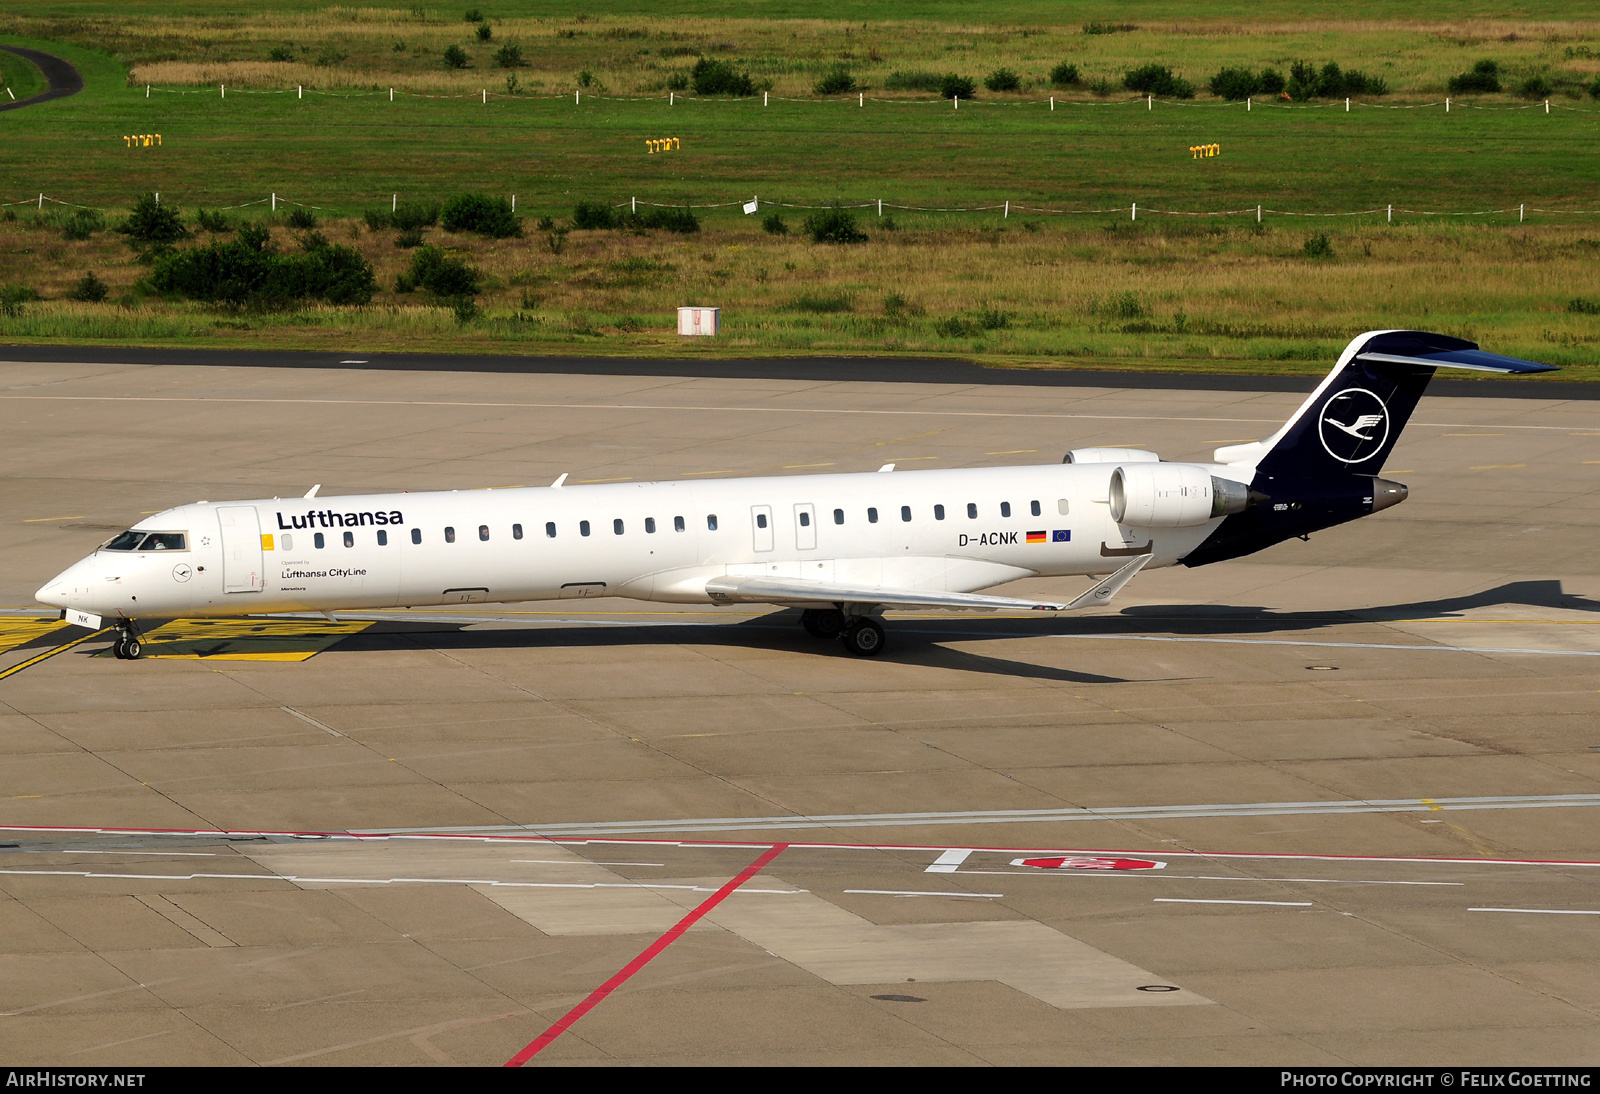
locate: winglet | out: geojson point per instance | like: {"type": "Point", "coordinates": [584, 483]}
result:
{"type": "Point", "coordinates": [557, 484]}
{"type": "Point", "coordinates": [1103, 592]}
{"type": "Point", "coordinates": [886, 467]}
{"type": "Point", "coordinates": [313, 491]}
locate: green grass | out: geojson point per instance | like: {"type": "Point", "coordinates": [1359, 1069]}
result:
{"type": "Point", "coordinates": [20, 76]}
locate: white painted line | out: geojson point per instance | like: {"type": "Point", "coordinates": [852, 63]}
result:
{"type": "Point", "coordinates": [911, 892]}
{"type": "Point", "coordinates": [299, 880]}
{"type": "Point", "coordinates": [1540, 911]}
{"type": "Point", "coordinates": [582, 862]}
{"type": "Point", "coordinates": [1193, 877]}
{"type": "Point", "coordinates": [947, 862]}
{"type": "Point", "coordinates": [1272, 903]}
{"type": "Point", "coordinates": [159, 854]}
{"type": "Point", "coordinates": [1330, 645]}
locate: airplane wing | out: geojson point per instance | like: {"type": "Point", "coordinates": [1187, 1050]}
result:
{"type": "Point", "coordinates": [800, 592]}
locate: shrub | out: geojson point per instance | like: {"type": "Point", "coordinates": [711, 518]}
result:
{"type": "Point", "coordinates": [678, 81]}
{"type": "Point", "coordinates": [509, 56]}
{"type": "Point", "coordinates": [377, 220]}
{"type": "Point", "coordinates": [407, 240]}
{"type": "Point", "coordinates": [1580, 305]}
{"type": "Point", "coordinates": [81, 224]}
{"type": "Point", "coordinates": [773, 224]}
{"type": "Point", "coordinates": [954, 327]}
{"type": "Point", "coordinates": [208, 221]}
{"type": "Point", "coordinates": [1102, 87]}
{"type": "Point", "coordinates": [1234, 84]}
{"type": "Point", "coordinates": [1271, 82]}
{"type": "Point", "coordinates": [482, 214]}
{"type": "Point", "coordinates": [249, 270]}
{"type": "Point", "coordinates": [466, 309]}
{"type": "Point", "coordinates": [720, 78]}
{"type": "Point", "coordinates": [302, 218]}
{"type": "Point", "coordinates": [1307, 82]}
{"type": "Point", "coordinates": [153, 223]}
{"type": "Point", "coordinates": [1154, 79]}
{"type": "Point", "coordinates": [1002, 79]}
{"type": "Point", "coordinates": [1318, 246]}
{"type": "Point", "coordinates": [586, 79]}
{"type": "Point", "coordinates": [1535, 87]}
{"type": "Point", "coordinates": [1483, 79]}
{"type": "Point", "coordinates": [411, 216]}
{"type": "Point", "coordinates": [1594, 89]}
{"type": "Point", "coordinates": [834, 225]}
{"type": "Point", "coordinates": [1065, 75]}
{"type": "Point", "coordinates": [281, 54]}
{"type": "Point", "coordinates": [913, 81]}
{"type": "Point", "coordinates": [1125, 305]}
{"type": "Point", "coordinates": [992, 318]}
{"type": "Point", "coordinates": [484, 32]}
{"type": "Point", "coordinates": [90, 290]}
{"type": "Point", "coordinates": [682, 220]}
{"type": "Point", "coordinates": [547, 224]}
{"type": "Point", "coordinates": [1107, 28]}
{"type": "Point", "coordinates": [442, 275]}
{"type": "Point", "coordinates": [593, 215]}
{"type": "Point", "coordinates": [837, 81]}
{"type": "Point", "coordinates": [473, 15]}
{"type": "Point", "coordinates": [823, 305]}
{"type": "Point", "coordinates": [455, 57]}
{"type": "Point", "coordinates": [952, 86]}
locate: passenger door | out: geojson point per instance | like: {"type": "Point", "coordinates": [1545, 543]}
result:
{"type": "Point", "coordinates": [761, 527]}
{"type": "Point", "coordinates": [241, 549]}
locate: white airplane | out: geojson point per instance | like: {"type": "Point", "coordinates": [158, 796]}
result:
{"type": "Point", "coordinates": [842, 547]}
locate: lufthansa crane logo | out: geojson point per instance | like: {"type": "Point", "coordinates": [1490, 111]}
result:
{"type": "Point", "coordinates": [1354, 425]}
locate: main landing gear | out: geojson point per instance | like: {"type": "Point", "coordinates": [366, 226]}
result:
{"type": "Point", "coordinates": [127, 647]}
{"type": "Point", "coordinates": [862, 635]}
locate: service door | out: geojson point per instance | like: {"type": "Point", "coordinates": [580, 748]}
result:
{"type": "Point", "coordinates": [241, 549]}
{"type": "Point", "coordinates": [761, 526]}
{"type": "Point", "coordinates": [805, 526]}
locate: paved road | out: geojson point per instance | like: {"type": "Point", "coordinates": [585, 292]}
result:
{"type": "Point", "coordinates": [64, 79]}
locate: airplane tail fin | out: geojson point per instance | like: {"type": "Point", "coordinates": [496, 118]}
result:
{"type": "Point", "coordinates": [1351, 421]}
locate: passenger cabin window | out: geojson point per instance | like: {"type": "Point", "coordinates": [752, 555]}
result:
{"type": "Point", "coordinates": [1005, 509]}
{"type": "Point", "coordinates": [649, 526]}
{"type": "Point", "coordinates": [711, 522]}
{"type": "Point", "coordinates": [319, 541]}
{"type": "Point", "coordinates": [288, 542]}
{"type": "Point", "coordinates": [972, 511]}
{"type": "Point", "coordinates": [583, 527]}
{"type": "Point", "coordinates": [616, 526]}
{"type": "Point", "coordinates": [1061, 506]}
{"type": "Point", "coordinates": [677, 524]}
{"type": "Point", "coordinates": [1034, 508]}
{"type": "Point", "coordinates": [761, 520]}
{"type": "Point", "coordinates": [838, 516]}
{"type": "Point", "coordinates": [483, 532]}
{"type": "Point", "coordinates": [516, 531]}
{"type": "Point", "coordinates": [383, 538]}
{"type": "Point", "coordinates": [550, 530]}
{"type": "Point", "coordinates": [905, 512]}
{"type": "Point", "coordinates": [416, 535]}
{"type": "Point", "coordinates": [449, 534]}
{"type": "Point", "coordinates": [805, 519]}
{"type": "Point", "coordinates": [872, 516]}
{"type": "Point", "coordinates": [938, 512]}
{"type": "Point", "coordinates": [349, 538]}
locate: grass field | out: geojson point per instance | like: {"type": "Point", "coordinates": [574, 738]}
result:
{"type": "Point", "coordinates": [21, 77]}
{"type": "Point", "coordinates": [1031, 288]}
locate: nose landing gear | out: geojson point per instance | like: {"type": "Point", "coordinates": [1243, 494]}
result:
{"type": "Point", "coordinates": [127, 647]}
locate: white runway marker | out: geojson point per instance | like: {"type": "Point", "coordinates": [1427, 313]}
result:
{"type": "Point", "coordinates": [1269, 903]}
{"type": "Point", "coordinates": [912, 892]}
{"type": "Point", "coordinates": [1540, 911]}
{"type": "Point", "coordinates": [947, 862]}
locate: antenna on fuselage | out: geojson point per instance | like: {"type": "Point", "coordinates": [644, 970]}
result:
{"type": "Point", "coordinates": [313, 491]}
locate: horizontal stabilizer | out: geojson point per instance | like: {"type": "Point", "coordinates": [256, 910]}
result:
{"type": "Point", "coordinates": [1475, 359]}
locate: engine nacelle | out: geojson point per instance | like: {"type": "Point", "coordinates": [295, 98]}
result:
{"type": "Point", "coordinates": [1110, 455]}
{"type": "Point", "coordinates": [1172, 495]}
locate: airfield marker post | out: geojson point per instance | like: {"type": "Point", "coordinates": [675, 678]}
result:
{"type": "Point", "coordinates": [671, 97]}
{"type": "Point", "coordinates": [764, 95]}
{"type": "Point", "coordinates": [1247, 103]}
{"type": "Point", "coordinates": [1547, 106]}
{"type": "Point", "coordinates": [1135, 215]}
{"type": "Point", "coordinates": [1347, 105]}
{"type": "Point", "coordinates": [1391, 214]}
{"type": "Point", "coordinates": [1447, 105]}
{"type": "Point", "coordinates": [1258, 214]}
{"type": "Point", "coordinates": [224, 90]}
{"type": "Point", "coordinates": [513, 203]}
{"type": "Point", "coordinates": [1521, 210]}
{"type": "Point", "coordinates": [957, 100]}
{"type": "Point", "coordinates": [1007, 213]}
{"type": "Point", "coordinates": [863, 102]}
{"type": "Point", "coordinates": [394, 203]}
{"type": "Point", "coordinates": [391, 94]}
{"type": "Point", "coordinates": [1052, 103]}
{"type": "Point", "coordinates": [147, 91]}
{"type": "Point", "coordinates": [635, 208]}
{"type": "Point", "coordinates": [880, 207]}
{"type": "Point", "coordinates": [274, 202]}
{"type": "Point", "coordinates": [41, 201]}
{"type": "Point", "coordinates": [1149, 102]}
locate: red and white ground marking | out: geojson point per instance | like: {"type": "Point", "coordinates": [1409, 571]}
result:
{"type": "Point", "coordinates": [1066, 862]}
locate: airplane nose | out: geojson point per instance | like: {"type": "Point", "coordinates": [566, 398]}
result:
{"type": "Point", "coordinates": [67, 588]}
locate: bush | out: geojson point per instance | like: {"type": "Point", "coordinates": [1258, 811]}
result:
{"type": "Point", "coordinates": [1580, 305]}
{"type": "Point", "coordinates": [377, 220]}
{"type": "Point", "coordinates": [1483, 79]}
{"type": "Point", "coordinates": [831, 304]}
{"type": "Point", "coordinates": [442, 275]}
{"type": "Point", "coordinates": [455, 57]}
{"type": "Point", "coordinates": [1125, 305]}
{"type": "Point", "coordinates": [302, 218]}
{"type": "Point", "coordinates": [952, 86]}
{"type": "Point", "coordinates": [1107, 28]}
{"type": "Point", "coordinates": [1102, 87]}
{"type": "Point", "coordinates": [1535, 87]}
{"type": "Point", "coordinates": [466, 309]}
{"type": "Point", "coordinates": [249, 270]}
{"type": "Point", "coordinates": [153, 223]}
{"type": "Point", "coordinates": [81, 224]}
{"type": "Point", "coordinates": [1002, 79]}
{"type": "Point", "coordinates": [482, 214]}
{"type": "Point", "coordinates": [954, 327]}
{"type": "Point", "coordinates": [992, 318]}
{"type": "Point", "coordinates": [1065, 75]}
{"type": "Point", "coordinates": [1318, 246]}
{"type": "Point", "coordinates": [409, 239]}
{"type": "Point", "coordinates": [281, 54]}
{"type": "Point", "coordinates": [1271, 82]}
{"type": "Point", "coordinates": [411, 216]}
{"type": "Point", "coordinates": [90, 290]}
{"type": "Point", "coordinates": [473, 15]}
{"type": "Point", "coordinates": [834, 226]}
{"type": "Point", "coordinates": [1234, 84]}
{"type": "Point", "coordinates": [208, 221]}
{"type": "Point", "coordinates": [510, 56]}
{"type": "Point", "coordinates": [773, 224]}
{"type": "Point", "coordinates": [1306, 82]}
{"type": "Point", "coordinates": [593, 215]}
{"type": "Point", "coordinates": [682, 220]}
{"type": "Point", "coordinates": [1594, 89]}
{"type": "Point", "coordinates": [837, 81]}
{"type": "Point", "coordinates": [12, 297]}
{"type": "Point", "coordinates": [1154, 79]}
{"type": "Point", "coordinates": [678, 81]}
{"type": "Point", "coordinates": [484, 32]}
{"type": "Point", "coordinates": [720, 78]}
{"type": "Point", "coordinates": [913, 81]}
{"type": "Point", "coordinates": [586, 79]}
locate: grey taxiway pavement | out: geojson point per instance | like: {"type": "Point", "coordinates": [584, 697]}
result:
{"type": "Point", "coordinates": [1336, 803]}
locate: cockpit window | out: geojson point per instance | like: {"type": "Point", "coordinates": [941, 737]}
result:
{"type": "Point", "coordinates": [163, 541]}
{"type": "Point", "coordinates": [126, 541]}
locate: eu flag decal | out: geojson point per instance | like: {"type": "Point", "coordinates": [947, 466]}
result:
{"type": "Point", "coordinates": [1036, 537]}
{"type": "Point", "coordinates": [1061, 535]}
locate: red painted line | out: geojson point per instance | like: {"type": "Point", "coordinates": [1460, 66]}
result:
{"type": "Point", "coordinates": [649, 954]}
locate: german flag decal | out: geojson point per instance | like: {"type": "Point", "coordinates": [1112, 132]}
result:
{"type": "Point", "coordinates": [1038, 537]}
